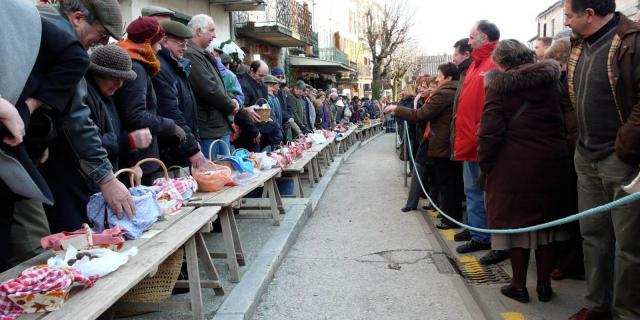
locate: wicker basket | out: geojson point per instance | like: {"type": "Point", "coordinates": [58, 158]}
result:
{"type": "Point", "coordinates": [264, 110]}
{"type": "Point", "coordinates": [157, 288]}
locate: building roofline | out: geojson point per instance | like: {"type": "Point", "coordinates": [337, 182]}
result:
{"type": "Point", "coordinates": [553, 6]}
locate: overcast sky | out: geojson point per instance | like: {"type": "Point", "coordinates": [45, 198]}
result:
{"type": "Point", "coordinates": [439, 24]}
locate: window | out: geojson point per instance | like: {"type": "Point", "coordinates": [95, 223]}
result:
{"type": "Point", "coordinates": [544, 30]}
{"type": "Point", "coordinates": [553, 27]}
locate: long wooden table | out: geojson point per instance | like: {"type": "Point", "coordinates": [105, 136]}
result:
{"type": "Point", "coordinates": [304, 164]}
{"type": "Point", "coordinates": [346, 140]}
{"type": "Point", "coordinates": [181, 229]}
{"type": "Point", "coordinates": [226, 198]}
{"type": "Point", "coordinates": [325, 151]}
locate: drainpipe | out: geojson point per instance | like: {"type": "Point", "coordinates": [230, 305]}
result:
{"type": "Point", "coordinates": [232, 27]}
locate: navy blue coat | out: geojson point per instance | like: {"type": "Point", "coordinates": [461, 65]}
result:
{"type": "Point", "coordinates": [177, 102]}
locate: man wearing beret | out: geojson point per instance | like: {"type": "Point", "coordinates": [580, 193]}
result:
{"type": "Point", "coordinates": [175, 98]}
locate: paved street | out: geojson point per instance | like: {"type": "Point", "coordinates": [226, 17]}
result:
{"type": "Point", "coordinates": [343, 265]}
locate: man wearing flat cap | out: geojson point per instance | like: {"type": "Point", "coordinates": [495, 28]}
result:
{"type": "Point", "coordinates": [87, 23]}
{"type": "Point", "coordinates": [295, 106]}
{"type": "Point", "coordinates": [175, 98]}
{"type": "Point", "coordinates": [159, 13]}
{"type": "Point", "coordinates": [55, 81]}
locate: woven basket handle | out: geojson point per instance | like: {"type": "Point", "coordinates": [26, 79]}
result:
{"type": "Point", "coordinates": [216, 142]}
{"type": "Point", "coordinates": [164, 168]}
{"type": "Point", "coordinates": [263, 99]}
{"type": "Point", "coordinates": [133, 176]}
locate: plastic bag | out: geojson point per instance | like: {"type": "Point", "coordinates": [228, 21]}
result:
{"type": "Point", "coordinates": [211, 177]}
{"type": "Point", "coordinates": [92, 262]}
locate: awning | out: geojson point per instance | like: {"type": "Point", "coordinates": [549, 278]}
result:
{"type": "Point", "coordinates": [318, 65]}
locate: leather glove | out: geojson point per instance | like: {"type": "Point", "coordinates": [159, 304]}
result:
{"type": "Point", "coordinates": [182, 136]}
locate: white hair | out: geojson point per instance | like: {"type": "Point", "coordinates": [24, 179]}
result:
{"type": "Point", "coordinates": [200, 21]}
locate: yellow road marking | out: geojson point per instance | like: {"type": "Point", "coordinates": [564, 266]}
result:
{"type": "Point", "coordinates": [472, 267]}
{"type": "Point", "coordinates": [512, 316]}
{"type": "Point", "coordinates": [448, 234]}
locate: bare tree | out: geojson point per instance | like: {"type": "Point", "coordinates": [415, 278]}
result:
{"type": "Point", "coordinates": [402, 63]}
{"type": "Point", "coordinates": [386, 29]}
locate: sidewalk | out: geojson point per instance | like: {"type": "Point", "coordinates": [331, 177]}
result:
{"type": "Point", "coordinates": [567, 298]}
{"type": "Point", "coordinates": [359, 257]}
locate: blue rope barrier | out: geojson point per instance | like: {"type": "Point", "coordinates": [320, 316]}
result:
{"type": "Point", "coordinates": [600, 209]}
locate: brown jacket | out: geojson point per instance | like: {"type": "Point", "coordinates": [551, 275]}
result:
{"type": "Point", "coordinates": [624, 78]}
{"type": "Point", "coordinates": [438, 111]}
{"type": "Point", "coordinates": [523, 150]}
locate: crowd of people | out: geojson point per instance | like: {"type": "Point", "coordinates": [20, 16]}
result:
{"type": "Point", "coordinates": [519, 137]}
{"type": "Point", "coordinates": [522, 137]}
{"type": "Point", "coordinates": [90, 100]}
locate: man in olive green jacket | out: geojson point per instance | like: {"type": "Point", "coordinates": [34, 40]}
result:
{"type": "Point", "coordinates": [214, 104]}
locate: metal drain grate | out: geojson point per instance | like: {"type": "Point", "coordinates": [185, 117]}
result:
{"type": "Point", "coordinates": [474, 272]}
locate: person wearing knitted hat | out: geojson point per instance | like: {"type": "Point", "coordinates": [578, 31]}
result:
{"type": "Point", "coordinates": [136, 101]}
{"type": "Point", "coordinates": [175, 98]}
{"type": "Point", "coordinates": [110, 67]}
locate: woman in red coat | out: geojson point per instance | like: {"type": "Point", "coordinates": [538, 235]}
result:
{"type": "Point", "coordinates": [523, 153]}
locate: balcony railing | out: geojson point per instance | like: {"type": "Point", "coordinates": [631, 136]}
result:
{"type": "Point", "coordinates": [285, 13]}
{"type": "Point", "coordinates": [333, 54]}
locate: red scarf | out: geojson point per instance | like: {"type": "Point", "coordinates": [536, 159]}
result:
{"type": "Point", "coordinates": [143, 53]}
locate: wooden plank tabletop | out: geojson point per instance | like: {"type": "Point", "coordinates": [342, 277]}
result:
{"type": "Point", "coordinates": [346, 134]}
{"type": "Point", "coordinates": [228, 195]}
{"type": "Point", "coordinates": [90, 303]}
{"type": "Point", "coordinates": [301, 163]}
{"type": "Point", "coordinates": [320, 147]}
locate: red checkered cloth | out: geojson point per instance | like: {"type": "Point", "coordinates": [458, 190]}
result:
{"type": "Point", "coordinates": [37, 280]}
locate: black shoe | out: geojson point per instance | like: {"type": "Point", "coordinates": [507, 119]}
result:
{"type": "Point", "coordinates": [446, 225]}
{"type": "Point", "coordinates": [520, 295]}
{"type": "Point", "coordinates": [493, 257]}
{"type": "Point", "coordinates": [407, 209]}
{"type": "Point", "coordinates": [463, 235]}
{"type": "Point", "coordinates": [544, 293]}
{"type": "Point", "coordinates": [472, 246]}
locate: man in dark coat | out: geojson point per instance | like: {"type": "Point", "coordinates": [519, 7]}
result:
{"type": "Point", "coordinates": [175, 98]}
{"type": "Point", "coordinates": [214, 104]}
{"type": "Point", "coordinates": [278, 73]}
{"type": "Point", "coordinates": [78, 140]}
{"type": "Point", "coordinates": [603, 76]}
{"type": "Point", "coordinates": [296, 108]}
{"type": "Point", "coordinates": [463, 59]}
{"type": "Point", "coordinates": [56, 81]}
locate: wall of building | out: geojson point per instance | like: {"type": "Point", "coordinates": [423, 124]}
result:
{"type": "Point", "coordinates": [131, 9]}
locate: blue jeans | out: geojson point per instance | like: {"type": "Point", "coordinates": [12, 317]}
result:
{"type": "Point", "coordinates": [217, 149]}
{"type": "Point", "coordinates": [476, 213]}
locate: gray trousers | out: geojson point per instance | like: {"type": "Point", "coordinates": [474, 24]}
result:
{"type": "Point", "coordinates": [612, 239]}
{"type": "Point", "coordinates": [29, 226]}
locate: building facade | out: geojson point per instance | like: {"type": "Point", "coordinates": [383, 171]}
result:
{"type": "Point", "coordinates": [551, 20]}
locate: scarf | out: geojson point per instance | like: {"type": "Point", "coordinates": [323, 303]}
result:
{"type": "Point", "coordinates": [143, 53]}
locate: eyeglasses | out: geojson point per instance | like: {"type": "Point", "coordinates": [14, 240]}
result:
{"type": "Point", "coordinates": [181, 43]}
{"type": "Point", "coordinates": [279, 77]}
{"type": "Point", "coordinates": [261, 75]}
